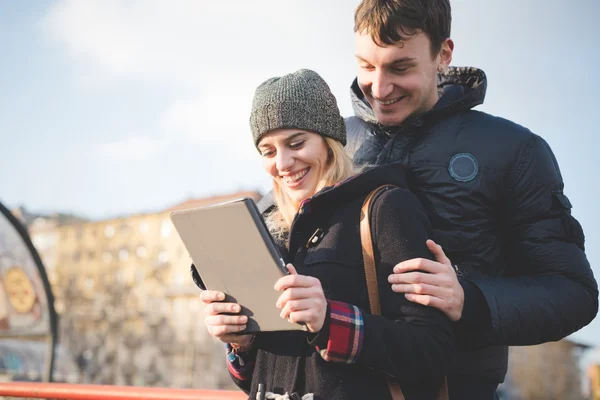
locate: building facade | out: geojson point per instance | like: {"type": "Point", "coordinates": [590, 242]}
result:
{"type": "Point", "coordinates": [549, 371]}
{"type": "Point", "coordinates": [129, 311]}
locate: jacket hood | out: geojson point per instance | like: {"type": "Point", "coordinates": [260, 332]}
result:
{"type": "Point", "coordinates": [460, 88]}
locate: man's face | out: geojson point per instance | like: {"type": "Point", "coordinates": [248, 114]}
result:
{"type": "Point", "coordinates": [398, 80]}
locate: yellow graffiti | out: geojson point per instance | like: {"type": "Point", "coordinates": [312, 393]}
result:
{"type": "Point", "coordinates": [19, 289]}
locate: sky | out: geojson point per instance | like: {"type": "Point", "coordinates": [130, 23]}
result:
{"type": "Point", "coordinates": [114, 107]}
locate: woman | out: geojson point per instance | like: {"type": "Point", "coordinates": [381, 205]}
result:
{"type": "Point", "coordinates": [347, 353]}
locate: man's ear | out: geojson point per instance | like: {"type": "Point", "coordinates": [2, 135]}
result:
{"type": "Point", "coordinates": [446, 54]}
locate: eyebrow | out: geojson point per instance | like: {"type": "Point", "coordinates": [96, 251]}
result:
{"type": "Point", "coordinates": [294, 136]}
{"type": "Point", "coordinates": [288, 139]}
{"type": "Point", "coordinates": [397, 61]}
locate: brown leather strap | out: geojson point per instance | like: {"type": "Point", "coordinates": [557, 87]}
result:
{"type": "Point", "coordinates": [444, 395]}
{"type": "Point", "coordinates": [371, 277]}
{"type": "Point", "coordinates": [367, 251]}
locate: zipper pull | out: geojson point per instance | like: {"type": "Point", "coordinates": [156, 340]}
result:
{"type": "Point", "coordinates": [457, 270]}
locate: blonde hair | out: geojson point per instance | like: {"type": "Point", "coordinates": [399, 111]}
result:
{"type": "Point", "coordinates": [339, 168]}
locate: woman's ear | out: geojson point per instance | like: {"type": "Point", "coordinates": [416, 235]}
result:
{"type": "Point", "coordinates": [329, 156]}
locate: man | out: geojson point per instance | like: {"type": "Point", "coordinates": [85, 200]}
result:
{"type": "Point", "coordinates": [518, 273]}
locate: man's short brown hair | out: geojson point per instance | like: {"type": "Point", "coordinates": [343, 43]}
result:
{"type": "Point", "coordinates": [390, 21]}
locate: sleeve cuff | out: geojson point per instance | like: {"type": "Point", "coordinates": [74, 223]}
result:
{"type": "Point", "coordinates": [240, 364]}
{"type": "Point", "coordinates": [342, 337]}
{"type": "Point", "coordinates": [476, 313]}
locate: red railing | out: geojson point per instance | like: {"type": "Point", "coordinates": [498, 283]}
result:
{"type": "Point", "coordinates": [65, 391]}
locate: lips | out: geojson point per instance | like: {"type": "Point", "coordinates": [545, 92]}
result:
{"type": "Point", "coordinates": [294, 179]}
{"type": "Point", "coordinates": [389, 102]}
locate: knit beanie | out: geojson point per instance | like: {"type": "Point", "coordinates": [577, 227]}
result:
{"type": "Point", "coordinates": [300, 100]}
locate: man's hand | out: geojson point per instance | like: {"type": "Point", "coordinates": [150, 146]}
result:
{"type": "Point", "coordinates": [302, 300]}
{"type": "Point", "coordinates": [430, 283]}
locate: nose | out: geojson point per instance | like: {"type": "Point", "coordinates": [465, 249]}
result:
{"type": "Point", "coordinates": [284, 160]}
{"type": "Point", "coordinates": [381, 86]}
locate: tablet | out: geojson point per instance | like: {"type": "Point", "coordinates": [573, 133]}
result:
{"type": "Point", "coordinates": [234, 253]}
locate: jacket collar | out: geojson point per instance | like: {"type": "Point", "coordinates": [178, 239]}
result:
{"type": "Point", "coordinates": [460, 88]}
{"type": "Point", "coordinates": [357, 186]}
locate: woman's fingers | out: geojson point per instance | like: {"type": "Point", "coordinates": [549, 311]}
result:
{"type": "Point", "coordinates": [297, 305]}
{"type": "Point", "coordinates": [313, 318]}
{"type": "Point", "coordinates": [220, 325]}
{"type": "Point", "coordinates": [220, 308]}
{"type": "Point", "coordinates": [219, 331]}
{"type": "Point", "coordinates": [214, 320]}
{"type": "Point", "coordinates": [292, 269]}
{"type": "Point", "coordinates": [294, 280]}
{"type": "Point", "coordinates": [209, 296]}
{"type": "Point", "coordinates": [295, 294]}
{"type": "Point", "coordinates": [302, 301]}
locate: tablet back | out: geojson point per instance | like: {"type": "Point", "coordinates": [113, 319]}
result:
{"type": "Point", "coordinates": [234, 253]}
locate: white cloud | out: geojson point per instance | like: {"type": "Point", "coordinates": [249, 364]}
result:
{"type": "Point", "coordinates": [133, 148]}
{"type": "Point", "coordinates": [209, 56]}
{"type": "Point", "coordinates": [187, 43]}
{"type": "Point", "coordinates": [215, 121]}
{"type": "Point", "coordinates": [184, 118]}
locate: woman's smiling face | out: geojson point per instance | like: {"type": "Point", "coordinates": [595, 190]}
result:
{"type": "Point", "coordinates": [296, 159]}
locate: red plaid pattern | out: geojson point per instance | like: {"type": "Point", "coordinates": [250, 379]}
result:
{"type": "Point", "coordinates": [237, 366]}
{"type": "Point", "coordinates": [346, 332]}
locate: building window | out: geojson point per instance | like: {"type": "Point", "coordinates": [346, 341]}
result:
{"type": "Point", "coordinates": [194, 305]}
{"type": "Point", "coordinates": [123, 254]}
{"type": "Point", "coordinates": [76, 256]}
{"type": "Point", "coordinates": [59, 305]}
{"type": "Point", "coordinates": [166, 228]}
{"type": "Point", "coordinates": [124, 228]}
{"type": "Point", "coordinates": [144, 226]}
{"type": "Point", "coordinates": [179, 306]}
{"type": "Point", "coordinates": [38, 241]}
{"type": "Point", "coordinates": [179, 278]}
{"type": "Point", "coordinates": [89, 283]}
{"type": "Point", "coordinates": [109, 231]}
{"type": "Point", "coordinates": [163, 256]}
{"type": "Point", "coordinates": [106, 256]}
{"type": "Point", "coordinates": [140, 275]}
{"type": "Point", "coordinates": [141, 252]}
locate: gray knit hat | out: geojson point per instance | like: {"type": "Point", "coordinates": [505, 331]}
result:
{"type": "Point", "coordinates": [300, 100]}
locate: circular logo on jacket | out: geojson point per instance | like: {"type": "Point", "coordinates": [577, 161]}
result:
{"type": "Point", "coordinates": [463, 167]}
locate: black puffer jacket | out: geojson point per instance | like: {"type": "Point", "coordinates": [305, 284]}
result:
{"type": "Point", "coordinates": [494, 194]}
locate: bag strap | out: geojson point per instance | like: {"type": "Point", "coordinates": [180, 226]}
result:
{"type": "Point", "coordinates": [366, 241]}
{"type": "Point", "coordinates": [367, 251]}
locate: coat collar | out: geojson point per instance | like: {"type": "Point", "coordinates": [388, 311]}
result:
{"type": "Point", "coordinates": [460, 88]}
{"type": "Point", "coordinates": [359, 185]}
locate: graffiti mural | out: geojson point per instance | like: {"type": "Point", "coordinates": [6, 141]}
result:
{"type": "Point", "coordinates": [26, 303]}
